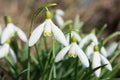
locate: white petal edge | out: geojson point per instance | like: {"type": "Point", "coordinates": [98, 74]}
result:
{"type": "Point", "coordinates": [13, 56]}
{"type": "Point", "coordinates": [104, 52]}
{"type": "Point", "coordinates": [61, 54]}
{"type": "Point", "coordinates": [59, 20]}
{"type": "Point", "coordinates": [4, 50]}
{"type": "Point", "coordinates": [82, 56]}
{"type": "Point", "coordinates": [21, 34]}
{"type": "Point", "coordinates": [89, 51]}
{"type": "Point", "coordinates": [105, 61]}
{"type": "Point", "coordinates": [59, 36]}
{"type": "Point", "coordinates": [37, 32]}
{"type": "Point", "coordinates": [96, 63]}
{"type": "Point", "coordinates": [112, 47]}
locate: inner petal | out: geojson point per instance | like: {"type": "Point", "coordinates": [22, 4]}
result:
{"type": "Point", "coordinates": [72, 51]}
{"type": "Point", "coordinates": [47, 29]}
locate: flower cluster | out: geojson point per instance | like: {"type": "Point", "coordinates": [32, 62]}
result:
{"type": "Point", "coordinates": [84, 49]}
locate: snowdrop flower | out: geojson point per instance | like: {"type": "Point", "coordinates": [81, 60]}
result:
{"type": "Point", "coordinates": [73, 33]}
{"type": "Point", "coordinates": [90, 49]}
{"type": "Point", "coordinates": [58, 17]}
{"type": "Point", "coordinates": [73, 50]}
{"type": "Point", "coordinates": [47, 28]}
{"type": "Point", "coordinates": [5, 50]}
{"type": "Point", "coordinates": [86, 39]}
{"type": "Point", "coordinates": [112, 47]}
{"type": "Point", "coordinates": [97, 59]}
{"type": "Point", "coordinates": [10, 32]}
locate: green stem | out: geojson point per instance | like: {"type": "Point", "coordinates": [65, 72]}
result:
{"type": "Point", "coordinates": [28, 72]}
{"type": "Point", "coordinates": [54, 68]}
{"type": "Point", "coordinates": [45, 42]}
{"type": "Point", "coordinates": [111, 36]}
{"type": "Point", "coordinates": [38, 55]}
{"type": "Point", "coordinates": [76, 69]}
{"type": "Point", "coordinates": [101, 31]}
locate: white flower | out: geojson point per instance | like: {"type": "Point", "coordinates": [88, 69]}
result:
{"type": "Point", "coordinates": [5, 50]}
{"type": "Point", "coordinates": [78, 38]}
{"type": "Point", "coordinates": [10, 31]}
{"type": "Point", "coordinates": [47, 28]}
{"type": "Point", "coordinates": [73, 51]}
{"type": "Point", "coordinates": [86, 39]}
{"type": "Point", "coordinates": [90, 49]}
{"type": "Point", "coordinates": [58, 17]}
{"type": "Point", "coordinates": [97, 59]}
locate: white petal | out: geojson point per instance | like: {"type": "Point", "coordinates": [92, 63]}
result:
{"type": "Point", "coordinates": [59, 12]}
{"type": "Point", "coordinates": [59, 20]}
{"type": "Point", "coordinates": [96, 63]}
{"type": "Point", "coordinates": [88, 38]}
{"type": "Point", "coordinates": [21, 34]}
{"type": "Point", "coordinates": [61, 54]}
{"type": "Point", "coordinates": [59, 36]}
{"type": "Point", "coordinates": [93, 38]}
{"type": "Point", "coordinates": [76, 35]}
{"type": "Point", "coordinates": [8, 32]}
{"type": "Point", "coordinates": [72, 51]}
{"type": "Point", "coordinates": [12, 54]}
{"type": "Point", "coordinates": [4, 50]}
{"type": "Point", "coordinates": [82, 56]}
{"type": "Point", "coordinates": [112, 47]}
{"type": "Point", "coordinates": [37, 32]}
{"type": "Point", "coordinates": [47, 28]}
{"type": "Point", "coordinates": [105, 61]}
{"type": "Point", "coordinates": [104, 52]}
{"type": "Point", "coordinates": [90, 50]}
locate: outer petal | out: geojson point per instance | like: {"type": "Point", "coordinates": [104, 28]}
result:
{"type": "Point", "coordinates": [4, 50]}
{"type": "Point", "coordinates": [59, 20]}
{"type": "Point", "coordinates": [7, 33]}
{"type": "Point", "coordinates": [82, 56]}
{"type": "Point", "coordinates": [21, 34]}
{"type": "Point", "coordinates": [96, 63]}
{"type": "Point", "coordinates": [58, 34]}
{"type": "Point", "coordinates": [36, 34]}
{"type": "Point", "coordinates": [61, 54]}
{"type": "Point", "coordinates": [112, 47]}
{"type": "Point", "coordinates": [59, 12]}
{"type": "Point", "coordinates": [90, 50]}
{"type": "Point", "coordinates": [105, 61]}
{"type": "Point", "coordinates": [87, 38]}
{"type": "Point", "coordinates": [12, 54]}
{"type": "Point", "coordinates": [104, 52]}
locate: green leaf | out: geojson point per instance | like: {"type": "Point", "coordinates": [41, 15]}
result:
{"type": "Point", "coordinates": [78, 24]}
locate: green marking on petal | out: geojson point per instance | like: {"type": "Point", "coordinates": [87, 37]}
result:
{"type": "Point", "coordinates": [72, 55]}
{"type": "Point", "coordinates": [47, 34]}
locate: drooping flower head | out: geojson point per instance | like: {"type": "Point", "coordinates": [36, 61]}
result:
{"type": "Point", "coordinates": [5, 50]}
{"type": "Point", "coordinates": [73, 50]}
{"type": "Point", "coordinates": [10, 31]}
{"type": "Point", "coordinates": [97, 58]}
{"type": "Point", "coordinates": [48, 28]}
